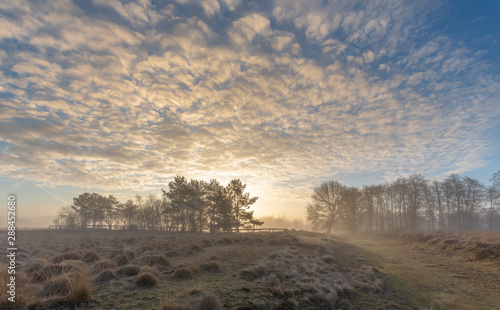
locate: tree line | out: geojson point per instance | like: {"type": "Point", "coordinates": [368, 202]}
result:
{"type": "Point", "coordinates": [192, 205]}
{"type": "Point", "coordinates": [411, 203]}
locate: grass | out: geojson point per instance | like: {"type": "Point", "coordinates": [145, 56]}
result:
{"type": "Point", "coordinates": [287, 270]}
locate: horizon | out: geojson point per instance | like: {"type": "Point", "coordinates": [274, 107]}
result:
{"type": "Point", "coordinates": [118, 98]}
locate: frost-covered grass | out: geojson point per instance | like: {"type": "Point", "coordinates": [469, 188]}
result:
{"type": "Point", "coordinates": [159, 270]}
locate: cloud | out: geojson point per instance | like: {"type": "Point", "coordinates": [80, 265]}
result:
{"type": "Point", "coordinates": [313, 90]}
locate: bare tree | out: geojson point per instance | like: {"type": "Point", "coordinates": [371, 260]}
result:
{"type": "Point", "coordinates": [325, 210]}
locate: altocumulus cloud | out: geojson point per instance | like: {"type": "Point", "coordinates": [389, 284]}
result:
{"type": "Point", "coordinates": [119, 95]}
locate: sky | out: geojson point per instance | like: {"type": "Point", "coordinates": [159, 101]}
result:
{"type": "Point", "coordinates": [118, 97]}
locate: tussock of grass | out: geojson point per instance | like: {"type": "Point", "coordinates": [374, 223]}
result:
{"type": "Point", "coordinates": [149, 269]}
{"type": "Point", "coordinates": [206, 301]}
{"type": "Point", "coordinates": [167, 305]}
{"type": "Point", "coordinates": [183, 274]}
{"type": "Point", "coordinates": [476, 246]}
{"type": "Point", "coordinates": [102, 265]}
{"type": "Point", "coordinates": [56, 286]}
{"type": "Point", "coordinates": [80, 288]}
{"type": "Point", "coordinates": [365, 278]}
{"type": "Point", "coordinates": [90, 257]}
{"type": "Point", "coordinates": [122, 260]}
{"type": "Point", "coordinates": [129, 270]}
{"type": "Point", "coordinates": [116, 253]}
{"type": "Point", "coordinates": [171, 254]}
{"type": "Point", "coordinates": [212, 267]}
{"type": "Point", "coordinates": [146, 279]}
{"type": "Point", "coordinates": [22, 295]}
{"type": "Point", "coordinates": [66, 256]}
{"type": "Point", "coordinates": [315, 282]}
{"type": "Point", "coordinates": [155, 259]}
{"type": "Point", "coordinates": [47, 272]}
{"type": "Point", "coordinates": [197, 248]}
{"type": "Point", "coordinates": [105, 276]}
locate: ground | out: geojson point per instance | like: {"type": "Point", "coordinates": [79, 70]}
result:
{"type": "Point", "coordinates": [430, 275]}
{"type": "Point", "coordinates": [286, 270]}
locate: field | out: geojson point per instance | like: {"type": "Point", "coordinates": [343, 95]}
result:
{"type": "Point", "coordinates": [286, 270]}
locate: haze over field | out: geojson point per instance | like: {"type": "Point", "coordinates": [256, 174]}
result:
{"type": "Point", "coordinates": [119, 97]}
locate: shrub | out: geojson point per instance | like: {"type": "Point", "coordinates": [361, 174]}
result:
{"type": "Point", "coordinates": [129, 270]}
{"type": "Point", "coordinates": [209, 267]}
{"type": "Point", "coordinates": [146, 279]}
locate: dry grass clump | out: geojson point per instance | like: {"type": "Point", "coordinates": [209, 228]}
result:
{"type": "Point", "coordinates": [102, 265]}
{"type": "Point", "coordinates": [212, 267]}
{"type": "Point", "coordinates": [56, 286]}
{"type": "Point", "coordinates": [47, 272]}
{"type": "Point", "coordinates": [21, 294]}
{"type": "Point", "coordinates": [105, 276]}
{"type": "Point", "coordinates": [169, 305]}
{"type": "Point", "coordinates": [90, 257]}
{"type": "Point", "coordinates": [80, 288]}
{"type": "Point", "coordinates": [155, 259]}
{"type": "Point", "coordinates": [74, 287]}
{"type": "Point", "coordinates": [129, 270]}
{"type": "Point", "coordinates": [183, 273]}
{"type": "Point", "coordinates": [146, 279]}
{"type": "Point", "coordinates": [116, 253]}
{"type": "Point", "coordinates": [122, 260]}
{"type": "Point", "coordinates": [171, 254]}
{"type": "Point", "coordinates": [291, 276]}
{"type": "Point", "coordinates": [476, 246]}
{"type": "Point", "coordinates": [365, 278]}
{"type": "Point", "coordinates": [207, 301]}
{"type": "Point", "coordinates": [197, 248]}
{"type": "Point", "coordinates": [66, 256]}
{"type": "Point", "coordinates": [149, 269]}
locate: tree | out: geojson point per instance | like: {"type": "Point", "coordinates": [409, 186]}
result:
{"type": "Point", "coordinates": [351, 201]}
{"type": "Point", "coordinates": [240, 202]}
{"type": "Point", "coordinates": [86, 205]}
{"type": "Point", "coordinates": [178, 196]}
{"type": "Point", "coordinates": [109, 205]}
{"type": "Point", "coordinates": [325, 210]}
{"type": "Point", "coordinates": [127, 212]}
{"type": "Point", "coordinates": [68, 218]}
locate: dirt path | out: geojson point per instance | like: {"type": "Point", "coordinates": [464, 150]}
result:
{"type": "Point", "coordinates": [429, 280]}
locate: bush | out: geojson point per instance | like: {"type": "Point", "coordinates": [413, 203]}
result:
{"type": "Point", "coordinates": [146, 279]}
